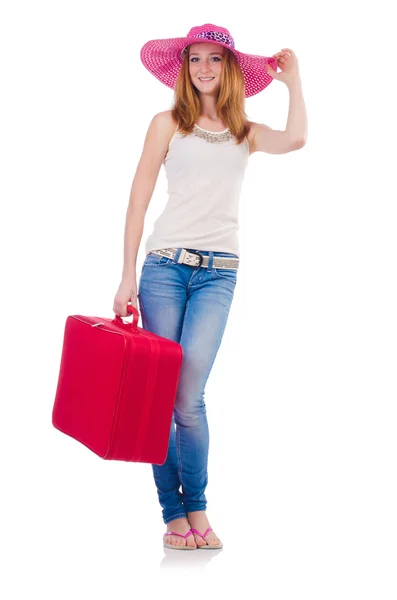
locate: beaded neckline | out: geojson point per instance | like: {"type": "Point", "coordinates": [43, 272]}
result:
{"type": "Point", "coordinates": [215, 137]}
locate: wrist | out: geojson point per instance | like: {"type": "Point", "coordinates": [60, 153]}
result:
{"type": "Point", "coordinates": [129, 281]}
{"type": "Point", "coordinates": [293, 83]}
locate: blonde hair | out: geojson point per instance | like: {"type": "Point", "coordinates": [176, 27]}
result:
{"type": "Point", "coordinates": [230, 101]}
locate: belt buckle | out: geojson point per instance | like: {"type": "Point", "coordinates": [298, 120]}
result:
{"type": "Point", "coordinates": [187, 258]}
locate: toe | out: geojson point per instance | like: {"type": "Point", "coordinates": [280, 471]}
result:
{"type": "Point", "coordinates": [213, 540]}
{"type": "Point", "coordinates": [199, 540]}
{"type": "Point", "coordinates": [172, 540]}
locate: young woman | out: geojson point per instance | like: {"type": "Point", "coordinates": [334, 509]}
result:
{"type": "Point", "coordinates": [189, 274]}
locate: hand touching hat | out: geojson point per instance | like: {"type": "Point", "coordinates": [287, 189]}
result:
{"type": "Point", "coordinates": [288, 63]}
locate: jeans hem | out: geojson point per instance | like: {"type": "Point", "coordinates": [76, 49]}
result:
{"type": "Point", "coordinates": [177, 516]}
{"type": "Point", "coordinates": [195, 509]}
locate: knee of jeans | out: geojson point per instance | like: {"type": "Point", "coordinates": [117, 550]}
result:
{"type": "Point", "coordinates": [190, 417]}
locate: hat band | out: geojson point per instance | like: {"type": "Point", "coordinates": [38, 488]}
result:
{"type": "Point", "coordinates": [214, 36]}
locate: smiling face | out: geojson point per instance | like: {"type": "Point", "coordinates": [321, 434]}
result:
{"type": "Point", "coordinates": [205, 62]}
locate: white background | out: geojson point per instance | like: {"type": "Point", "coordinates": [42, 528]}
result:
{"type": "Point", "coordinates": [301, 400]}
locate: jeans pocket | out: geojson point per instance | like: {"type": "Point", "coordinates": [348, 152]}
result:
{"type": "Point", "coordinates": [155, 260]}
{"type": "Point", "coordinates": [227, 274]}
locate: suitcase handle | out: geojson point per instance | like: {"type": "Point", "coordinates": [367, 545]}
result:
{"type": "Point", "coordinates": [135, 316]}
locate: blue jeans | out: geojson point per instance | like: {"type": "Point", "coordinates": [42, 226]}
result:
{"type": "Point", "coordinates": [189, 305]}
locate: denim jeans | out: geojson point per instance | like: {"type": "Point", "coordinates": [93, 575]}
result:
{"type": "Point", "coordinates": [189, 305]}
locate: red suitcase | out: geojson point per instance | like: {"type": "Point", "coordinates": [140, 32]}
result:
{"type": "Point", "coordinates": [117, 387]}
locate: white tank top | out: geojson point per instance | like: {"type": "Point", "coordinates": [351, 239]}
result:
{"type": "Point", "coordinates": [205, 171]}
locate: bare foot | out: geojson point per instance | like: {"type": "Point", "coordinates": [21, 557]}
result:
{"type": "Point", "coordinates": [181, 526]}
{"type": "Point", "coordinates": [198, 520]}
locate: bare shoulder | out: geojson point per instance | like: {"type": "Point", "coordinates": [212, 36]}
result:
{"type": "Point", "coordinates": [165, 124]}
{"type": "Point", "coordinates": [155, 147]}
{"type": "Point", "coordinates": [158, 136]}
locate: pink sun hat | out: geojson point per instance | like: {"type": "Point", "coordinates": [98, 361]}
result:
{"type": "Point", "coordinates": [163, 58]}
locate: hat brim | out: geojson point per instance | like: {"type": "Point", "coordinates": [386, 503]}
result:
{"type": "Point", "coordinates": [162, 58]}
